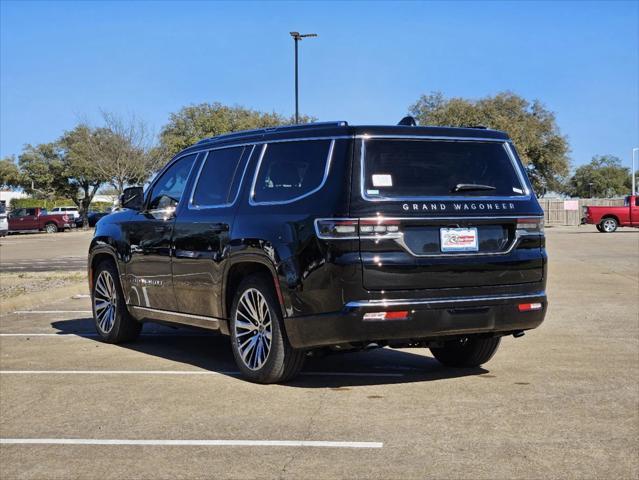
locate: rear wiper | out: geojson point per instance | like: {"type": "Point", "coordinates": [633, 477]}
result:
{"type": "Point", "coordinates": [463, 187]}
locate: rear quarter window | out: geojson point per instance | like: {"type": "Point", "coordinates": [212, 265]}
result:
{"type": "Point", "coordinates": [291, 170]}
{"type": "Point", "coordinates": [435, 168]}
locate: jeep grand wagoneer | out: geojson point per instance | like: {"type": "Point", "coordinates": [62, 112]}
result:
{"type": "Point", "coordinates": [328, 235]}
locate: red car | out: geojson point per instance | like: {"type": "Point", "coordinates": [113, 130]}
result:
{"type": "Point", "coordinates": [29, 219]}
{"type": "Point", "coordinates": [607, 219]}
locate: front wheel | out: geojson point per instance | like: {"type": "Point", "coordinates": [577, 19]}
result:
{"type": "Point", "coordinates": [51, 227]}
{"type": "Point", "coordinates": [608, 225]}
{"type": "Point", "coordinates": [599, 228]}
{"type": "Point", "coordinates": [112, 319]}
{"type": "Point", "coordinates": [467, 352]}
{"type": "Point", "coordinates": [260, 346]}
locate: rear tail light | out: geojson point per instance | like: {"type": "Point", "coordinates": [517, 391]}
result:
{"type": "Point", "coordinates": [353, 228]}
{"type": "Point", "coordinates": [530, 226]}
{"type": "Point", "coordinates": [381, 316]}
{"type": "Point", "coordinates": [529, 307]}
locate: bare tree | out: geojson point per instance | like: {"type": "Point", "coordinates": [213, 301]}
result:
{"type": "Point", "coordinates": [123, 151]}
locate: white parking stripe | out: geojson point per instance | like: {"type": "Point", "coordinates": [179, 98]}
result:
{"type": "Point", "coordinates": [189, 443]}
{"type": "Point", "coordinates": [185, 372]}
{"type": "Point", "coordinates": [48, 312]}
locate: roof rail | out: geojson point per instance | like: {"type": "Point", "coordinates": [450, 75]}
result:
{"type": "Point", "coordinates": [257, 131]}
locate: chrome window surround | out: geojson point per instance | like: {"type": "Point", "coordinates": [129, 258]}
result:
{"type": "Point", "coordinates": [505, 143]}
{"type": "Point", "coordinates": [435, 301]}
{"type": "Point", "coordinates": [399, 236]}
{"type": "Point", "coordinates": [329, 159]}
{"type": "Point", "coordinates": [193, 206]}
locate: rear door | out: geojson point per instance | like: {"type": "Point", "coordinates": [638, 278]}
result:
{"type": "Point", "coordinates": [444, 213]}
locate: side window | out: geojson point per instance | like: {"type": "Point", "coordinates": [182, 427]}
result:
{"type": "Point", "coordinates": [637, 201]}
{"type": "Point", "coordinates": [31, 211]}
{"type": "Point", "coordinates": [216, 183]}
{"type": "Point", "coordinates": [22, 212]}
{"type": "Point", "coordinates": [168, 190]}
{"type": "Point", "coordinates": [290, 170]}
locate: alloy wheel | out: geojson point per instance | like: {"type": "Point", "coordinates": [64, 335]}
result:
{"type": "Point", "coordinates": [51, 228]}
{"type": "Point", "coordinates": [253, 328]}
{"type": "Point", "coordinates": [105, 301]}
{"type": "Point", "coordinates": [609, 225]}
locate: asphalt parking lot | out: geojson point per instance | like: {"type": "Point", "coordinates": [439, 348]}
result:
{"type": "Point", "coordinates": [42, 252]}
{"type": "Point", "coordinates": [563, 401]}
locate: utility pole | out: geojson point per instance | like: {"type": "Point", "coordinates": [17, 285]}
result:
{"type": "Point", "coordinates": [297, 36]}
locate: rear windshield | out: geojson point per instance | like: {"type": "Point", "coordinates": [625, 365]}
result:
{"type": "Point", "coordinates": [427, 168]}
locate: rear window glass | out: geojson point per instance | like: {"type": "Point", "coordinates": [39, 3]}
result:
{"type": "Point", "coordinates": [413, 169]}
{"type": "Point", "coordinates": [291, 169]}
{"type": "Point", "coordinates": [216, 178]}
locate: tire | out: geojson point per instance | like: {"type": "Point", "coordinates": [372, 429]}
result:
{"type": "Point", "coordinates": [51, 227]}
{"type": "Point", "coordinates": [256, 315]}
{"type": "Point", "coordinates": [467, 352]}
{"type": "Point", "coordinates": [599, 228]}
{"type": "Point", "coordinates": [112, 320]}
{"type": "Point", "coordinates": [609, 225]}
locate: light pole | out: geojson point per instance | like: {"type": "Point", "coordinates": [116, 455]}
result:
{"type": "Point", "coordinates": [635, 152]}
{"type": "Point", "coordinates": [297, 36]}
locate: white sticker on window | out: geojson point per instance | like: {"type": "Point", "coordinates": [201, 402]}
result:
{"type": "Point", "coordinates": [382, 180]}
{"type": "Point", "coordinates": [372, 192]}
{"type": "Point", "coordinates": [517, 190]}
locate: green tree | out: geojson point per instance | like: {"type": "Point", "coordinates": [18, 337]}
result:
{"type": "Point", "coordinates": [604, 176]}
{"type": "Point", "coordinates": [9, 173]}
{"type": "Point", "coordinates": [80, 160]}
{"type": "Point", "coordinates": [193, 123]}
{"type": "Point", "coordinates": [533, 129]}
{"type": "Point", "coordinates": [42, 170]}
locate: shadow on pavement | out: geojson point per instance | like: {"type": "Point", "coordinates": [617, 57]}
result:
{"type": "Point", "coordinates": [209, 351]}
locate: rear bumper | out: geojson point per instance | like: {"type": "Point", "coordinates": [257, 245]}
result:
{"type": "Point", "coordinates": [428, 319]}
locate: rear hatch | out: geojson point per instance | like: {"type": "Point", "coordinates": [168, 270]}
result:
{"type": "Point", "coordinates": [444, 213]}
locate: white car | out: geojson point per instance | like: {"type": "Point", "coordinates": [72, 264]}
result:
{"type": "Point", "coordinates": [71, 211]}
{"type": "Point", "coordinates": [4, 224]}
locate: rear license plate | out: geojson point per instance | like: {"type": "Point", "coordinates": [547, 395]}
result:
{"type": "Point", "coordinates": [458, 239]}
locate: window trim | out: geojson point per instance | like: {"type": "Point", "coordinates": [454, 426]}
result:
{"type": "Point", "coordinates": [505, 143]}
{"type": "Point", "coordinates": [192, 206]}
{"type": "Point", "coordinates": [327, 167]}
{"type": "Point", "coordinates": [173, 161]}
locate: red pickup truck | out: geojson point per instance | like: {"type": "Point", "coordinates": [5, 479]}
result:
{"type": "Point", "coordinates": [28, 219]}
{"type": "Point", "coordinates": [607, 219]}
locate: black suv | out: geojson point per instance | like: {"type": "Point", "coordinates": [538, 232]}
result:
{"type": "Point", "coordinates": [326, 235]}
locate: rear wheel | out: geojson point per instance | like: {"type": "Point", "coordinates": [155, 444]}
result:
{"type": "Point", "coordinates": [260, 346]}
{"type": "Point", "coordinates": [466, 352]}
{"type": "Point", "coordinates": [608, 225]}
{"type": "Point", "coordinates": [51, 227]}
{"type": "Point", "coordinates": [112, 319]}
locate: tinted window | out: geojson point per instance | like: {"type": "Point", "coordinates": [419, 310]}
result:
{"type": "Point", "coordinates": [216, 177]}
{"type": "Point", "coordinates": [291, 169]}
{"type": "Point", "coordinates": [409, 168]}
{"type": "Point", "coordinates": [168, 190]}
{"type": "Point", "coordinates": [637, 201]}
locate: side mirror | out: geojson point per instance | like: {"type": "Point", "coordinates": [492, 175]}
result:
{"type": "Point", "coordinates": [132, 198]}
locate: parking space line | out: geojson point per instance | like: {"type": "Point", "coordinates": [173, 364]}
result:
{"type": "Point", "coordinates": [48, 312]}
{"type": "Point", "coordinates": [186, 372]}
{"type": "Point", "coordinates": [190, 443]}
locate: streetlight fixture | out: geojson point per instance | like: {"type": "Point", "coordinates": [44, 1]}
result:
{"type": "Point", "coordinates": [635, 151]}
{"type": "Point", "coordinates": [297, 36]}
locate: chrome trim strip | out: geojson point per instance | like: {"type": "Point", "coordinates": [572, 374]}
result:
{"type": "Point", "coordinates": [192, 206]}
{"type": "Point", "coordinates": [329, 159]}
{"type": "Point", "coordinates": [437, 301]}
{"type": "Point", "coordinates": [183, 318]}
{"type": "Point", "coordinates": [511, 157]}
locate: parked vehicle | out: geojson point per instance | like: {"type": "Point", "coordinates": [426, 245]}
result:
{"type": "Point", "coordinates": [29, 219]}
{"type": "Point", "coordinates": [93, 218]}
{"type": "Point", "coordinates": [607, 219]}
{"type": "Point", "coordinates": [4, 224]}
{"type": "Point", "coordinates": [325, 236]}
{"type": "Point", "coordinates": [73, 212]}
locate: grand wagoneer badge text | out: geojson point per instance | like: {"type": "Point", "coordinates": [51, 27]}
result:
{"type": "Point", "coordinates": [457, 206]}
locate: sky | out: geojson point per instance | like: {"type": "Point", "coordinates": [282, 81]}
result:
{"type": "Point", "coordinates": [65, 62]}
